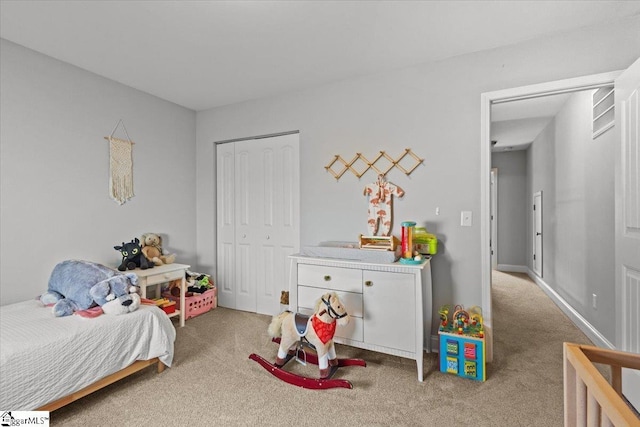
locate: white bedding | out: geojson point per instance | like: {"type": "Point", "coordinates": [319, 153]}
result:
{"type": "Point", "coordinates": [44, 358]}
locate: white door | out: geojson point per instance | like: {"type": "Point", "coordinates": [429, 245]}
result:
{"type": "Point", "coordinates": [537, 233]}
{"type": "Point", "coordinates": [494, 218]}
{"type": "Point", "coordinates": [225, 224]}
{"type": "Point", "coordinates": [627, 232]}
{"type": "Point", "coordinates": [258, 221]}
{"type": "Point", "coordinates": [247, 204]}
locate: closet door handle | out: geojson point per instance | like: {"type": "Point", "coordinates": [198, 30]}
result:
{"type": "Point", "coordinates": [244, 236]}
{"type": "Point", "coordinates": [327, 278]}
{"type": "Point", "coordinates": [268, 237]}
{"type": "Point", "coordinates": [368, 283]}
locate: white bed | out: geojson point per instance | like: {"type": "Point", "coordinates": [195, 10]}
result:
{"type": "Point", "coordinates": [47, 362]}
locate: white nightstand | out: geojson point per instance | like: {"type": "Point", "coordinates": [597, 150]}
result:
{"type": "Point", "coordinates": [163, 274]}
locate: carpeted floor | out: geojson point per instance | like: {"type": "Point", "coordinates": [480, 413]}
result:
{"type": "Point", "coordinates": [213, 382]}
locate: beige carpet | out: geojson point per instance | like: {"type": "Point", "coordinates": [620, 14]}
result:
{"type": "Point", "coordinates": [213, 382]}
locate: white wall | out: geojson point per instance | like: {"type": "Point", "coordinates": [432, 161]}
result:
{"type": "Point", "coordinates": [434, 109]}
{"type": "Point", "coordinates": [512, 207]}
{"type": "Point", "coordinates": [576, 176]}
{"type": "Point", "coordinates": [54, 170]}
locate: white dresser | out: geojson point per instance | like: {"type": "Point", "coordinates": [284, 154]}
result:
{"type": "Point", "coordinates": [390, 304]}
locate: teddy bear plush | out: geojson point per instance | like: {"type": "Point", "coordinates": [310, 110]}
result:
{"type": "Point", "coordinates": [76, 286]}
{"type": "Point", "coordinates": [151, 244]}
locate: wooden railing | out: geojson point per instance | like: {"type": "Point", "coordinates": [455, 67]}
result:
{"type": "Point", "coordinates": [589, 399]}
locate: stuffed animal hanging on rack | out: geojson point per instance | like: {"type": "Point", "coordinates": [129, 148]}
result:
{"type": "Point", "coordinates": [380, 204]}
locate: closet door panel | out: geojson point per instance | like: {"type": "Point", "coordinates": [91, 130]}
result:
{"type": "Point", "coordinates": [246, 207]}
{"type": "Point", "coordinates": [279, 232]}
{"type": "Point", "coordinates": [266, 238]}
{"type": "Point", "coordinates": [225, 225]}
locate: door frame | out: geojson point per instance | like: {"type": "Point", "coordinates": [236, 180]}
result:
{"type": "Point", "coordinates": [593, 81]}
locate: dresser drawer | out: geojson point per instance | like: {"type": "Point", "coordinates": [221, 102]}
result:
{"type": "Point", "coordinates": [354, 330]}
{"type": "Point", "coordinates": [307, 297]}
{"type": "Point", "coordinates": [163, 277]}
{"type": "Point", "coordinates": [333, 278]}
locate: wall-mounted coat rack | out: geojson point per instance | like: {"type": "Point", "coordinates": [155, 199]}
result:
{"type": "Point", "coordinates": [372, 164]}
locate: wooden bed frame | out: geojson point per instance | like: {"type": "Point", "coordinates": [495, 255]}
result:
{"type": "Point", "coordinates": [116, 376]}
{"type": "Point", "coordinates": [589, 399]}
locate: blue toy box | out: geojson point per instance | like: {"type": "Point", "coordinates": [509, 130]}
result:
{"type": "Point", "coordinates": [462, 345]}
{"type": "Point", "coordinates": [462, 355]}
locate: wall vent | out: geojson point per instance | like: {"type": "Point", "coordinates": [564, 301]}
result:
{"type": "Point", "coordinates": [603, 110]}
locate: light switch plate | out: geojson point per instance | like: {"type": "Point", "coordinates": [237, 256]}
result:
{"type": "Point", "coordinates": [466, 218]}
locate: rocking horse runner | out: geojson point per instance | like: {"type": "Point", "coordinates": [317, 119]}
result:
{"type": "Point", "coordinates": [295, 332]}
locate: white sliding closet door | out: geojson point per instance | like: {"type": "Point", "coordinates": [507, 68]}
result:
{"type": "Point", "coordinates": [225, 224]}
{"type": "Point", "coordinates": [258, 220]}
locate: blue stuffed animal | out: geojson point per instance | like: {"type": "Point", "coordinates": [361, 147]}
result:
{"type": "Point", "coordinates": [79, 285]}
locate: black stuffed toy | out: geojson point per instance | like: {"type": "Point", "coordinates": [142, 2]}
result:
{"type": "Point", "coordinates": [132, 256]}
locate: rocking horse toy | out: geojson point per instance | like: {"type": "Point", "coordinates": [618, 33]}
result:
{"type": "Point", "coordinates": [295, 332]}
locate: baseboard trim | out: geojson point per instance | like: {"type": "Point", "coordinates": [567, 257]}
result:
{"type": "Point", "coordinates": [513, 268]}
{"type": "Point", "coordinates": [435, 343]}
{"type": "Point", "coordinates": [581, 323]}
{"type": "Point", "coordinates": [576, 318]}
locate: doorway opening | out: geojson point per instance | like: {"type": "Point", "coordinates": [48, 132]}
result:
{"type": "Point", "coordinates": [487, 101]}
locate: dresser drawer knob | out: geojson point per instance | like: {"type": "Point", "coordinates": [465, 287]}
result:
{"type": "Point", "coordinates": [327, 278]}
{"type": "Point", "coordinates": [368, 283]}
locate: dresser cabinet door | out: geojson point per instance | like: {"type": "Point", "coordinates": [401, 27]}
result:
{"type": "Point", "coordinates": [389, 305]}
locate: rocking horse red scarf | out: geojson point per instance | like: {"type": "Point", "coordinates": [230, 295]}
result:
{"type": "Point", "coordinates": [324, 331]}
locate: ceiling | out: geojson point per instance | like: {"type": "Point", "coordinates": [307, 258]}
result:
{"type": "Point", "coordinates": [204, 54]}
{"type": "Point", "coordinates": [515, 124]}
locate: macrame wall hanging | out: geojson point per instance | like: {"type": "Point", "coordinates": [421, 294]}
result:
{"type": "Point", "coordinates": [120, 166]}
